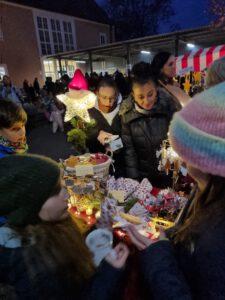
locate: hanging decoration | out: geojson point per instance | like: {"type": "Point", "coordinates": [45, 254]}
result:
{"type": "Point", "coordinates": [170, 161]}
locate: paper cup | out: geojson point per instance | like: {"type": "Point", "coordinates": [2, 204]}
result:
{"type": "Point", "coordinates": [99, 243]}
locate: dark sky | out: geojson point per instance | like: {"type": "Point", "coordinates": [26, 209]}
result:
{"type": "Point", "coordinates": [188, 14]}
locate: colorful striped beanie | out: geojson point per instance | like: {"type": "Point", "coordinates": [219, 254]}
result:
{"type": "Point", "coordinates": [197, 132]}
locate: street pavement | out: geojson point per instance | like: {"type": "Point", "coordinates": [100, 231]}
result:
{"type": "Point", "coordinates": [42, 141]}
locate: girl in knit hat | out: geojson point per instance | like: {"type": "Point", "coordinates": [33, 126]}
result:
{"type": "Point", "coordinates": [216, 72]}
{"type": "Point", "coordinates": [191, 263]}
{"type": "Point", "coordinates": [42, 254]}
{"type": "Point", "coordinates": [12, 128]}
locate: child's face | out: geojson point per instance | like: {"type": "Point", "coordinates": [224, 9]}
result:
{"type": "Point", "coordinates": [14, 134]}
{"type": "Point", "coordinates": [145, 95]}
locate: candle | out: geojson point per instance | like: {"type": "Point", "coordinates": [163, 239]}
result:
{"type": "Point", "coordinates": [89, 211]}
{"type": "Point", "coordinates": [98, 214]}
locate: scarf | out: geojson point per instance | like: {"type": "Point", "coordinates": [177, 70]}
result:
{"type": "Point", "coordinates": [111, 115]}
{"type": "Point", "coordinates": [17, 148]}
{"type": "Point", "coordinates": [141, 110]}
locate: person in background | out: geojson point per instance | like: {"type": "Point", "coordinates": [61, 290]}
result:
{"type": "Point", "coordinates": [65, 80]}
{"type": "Point", "coordinates": [122, 84]}
{"type": "Point", "coordinates": [164, 71]}
{"type": "Point", "coordinates": [216, 73]}
{"type": "Point", "coordinates": [50, 85]}
{"type": "Point", "coordinates": [12, 129]}
{"type": "Point", "coordinates": [189, 262]}
{"type": "Point", "coordinates": [36, 86]}
{"type": "Point", "coordinates": [105, 115]}
{"type": "Point", "coordinates": [145, 116]}
{"type": "Point", "coordinates": [164, 67]}
{"type": "Point", "coordinates": [56, 117]}
{"type": "Point", "coordinates": [43, 255]}
{"type": "Point", "coordinates": [9, 91]}
{"type": "Point", "coordinates": [26, 89]}
{"type": "Point", "coordinates": [32, 93]}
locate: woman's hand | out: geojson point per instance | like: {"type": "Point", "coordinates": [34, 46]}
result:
{"type": "Point", "coordinates": [103, 136]}
{"type": "Point", "coordinates": [118, 256]}
{"type": "Point", "coordinates": [140, 241]}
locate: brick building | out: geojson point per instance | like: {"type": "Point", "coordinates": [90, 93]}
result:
{"type": "Point", "coordinates": [32, 29]}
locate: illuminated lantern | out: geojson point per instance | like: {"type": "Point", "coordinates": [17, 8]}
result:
{"type": "Point", "coordinates": [79, 99]}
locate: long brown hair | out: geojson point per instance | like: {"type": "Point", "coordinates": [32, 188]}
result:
{"type": "Point", "coordinates": [209, 208]}
{"type": "Point", "coordinates": [57, 248]}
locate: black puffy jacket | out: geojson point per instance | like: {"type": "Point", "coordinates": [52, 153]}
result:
{"type": "Point", "coordinates": [95, 146]}
{"type": "Point", "coordinates": [143, 135]}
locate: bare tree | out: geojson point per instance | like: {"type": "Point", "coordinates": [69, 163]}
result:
{"type": "Point", "coordinates": [217, 11]}
{"type": "Point", "coordinates": [137, 18]}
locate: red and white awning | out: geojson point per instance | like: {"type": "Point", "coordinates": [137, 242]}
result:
{"type": "Point", "coordinates": [198, 60]}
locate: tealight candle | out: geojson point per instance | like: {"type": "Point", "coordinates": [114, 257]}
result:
{"type": "Point", "coordinates": [89, 211]}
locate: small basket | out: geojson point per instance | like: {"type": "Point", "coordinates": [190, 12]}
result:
{"type": "Point", "coordinates": [100, 170]}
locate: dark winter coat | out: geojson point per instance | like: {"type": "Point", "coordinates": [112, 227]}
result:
{"type": "Point", "coordinates": [142, 136]}
{"type": "Point", "coordinates": [185, 273]}
{"type": "Point", "coordinates": [25, 279]}
{"type": "Point", "coordinates": [95, 146]}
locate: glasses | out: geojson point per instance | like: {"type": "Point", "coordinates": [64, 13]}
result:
{"type": "Point", "coordinates": [107, 98]}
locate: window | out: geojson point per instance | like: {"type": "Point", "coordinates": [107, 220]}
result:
{"type": "Point", "coordinates": [56, 35]}
{"type": "Point", "coordinates": [44, 36]}
{"type": "Point", "coordinates": [68, 34]}
{"type": "Point", "coordinates": [103, 38]}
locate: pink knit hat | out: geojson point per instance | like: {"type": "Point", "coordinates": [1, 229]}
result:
{"type": "Point", "coordinates": [197, 132]}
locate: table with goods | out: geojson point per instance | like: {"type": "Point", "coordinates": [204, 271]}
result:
{"type": "Point", "coordinates": [103, 205]}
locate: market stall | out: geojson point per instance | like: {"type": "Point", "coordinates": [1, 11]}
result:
{"type": "Point", "coordinates": [191, 67]}
{"type": "Point", "coordinates": [98, 200]}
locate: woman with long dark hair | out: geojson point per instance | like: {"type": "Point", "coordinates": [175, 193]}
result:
{"type": "Point", "coordinates": [42, 253]}
{"type": "Point", "coordinates": [164, 70]}
{"type": "Point", "coordinates": [189, 263]}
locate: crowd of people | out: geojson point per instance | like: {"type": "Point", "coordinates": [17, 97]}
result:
{"type": "Point", "coordinates": [43, 255]}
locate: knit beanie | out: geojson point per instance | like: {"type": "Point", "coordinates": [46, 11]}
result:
{"type": "Point", "coordinates": [26, 182]}
{"type": "Point", "coordinates": [197, 132]}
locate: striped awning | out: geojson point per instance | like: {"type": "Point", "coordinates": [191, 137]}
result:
{"type": "Point", "coordinates": [198, 60]}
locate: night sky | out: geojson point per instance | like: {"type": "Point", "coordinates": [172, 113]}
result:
{"type": "Point", "coordinates": [188, 14]}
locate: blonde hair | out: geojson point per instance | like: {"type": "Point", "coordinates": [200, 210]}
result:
{"type": "Point", "coordinates": [216, 72]}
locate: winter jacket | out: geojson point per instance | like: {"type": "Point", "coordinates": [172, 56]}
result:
{"type": "Point", "coordinates": [4, 151]}
{"type": "Point", "coordinates": [37, 282]}
{"type": "Point", "coordinates": [179, 272]}
{"type": "Point", "coordinates": [12, 94]}
{"type": "Point", "coordinates": [95, 146]}
{"type": "Point", "coordinates": [142, 136]}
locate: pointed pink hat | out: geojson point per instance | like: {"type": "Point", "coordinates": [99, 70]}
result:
{"type": "Point", "coordinates": [78, 82]}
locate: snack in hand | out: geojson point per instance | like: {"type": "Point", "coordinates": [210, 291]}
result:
{"type": "Point", "coordinates": [130, 218]}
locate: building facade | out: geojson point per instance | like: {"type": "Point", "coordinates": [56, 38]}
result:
{"type": "Point", "coordinates": [29, 34]}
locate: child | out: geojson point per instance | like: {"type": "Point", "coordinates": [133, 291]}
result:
{"type": "Point", "coordinates": [12, 128]}
{"type": "Point", "coordinates": [56, 117]}
{"type": "Point", "coordinates": [43, 255]}
{"type": "Point", "coordinates": [190, 265]}
{"type": "Point", "coordinates": [145, 116]}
